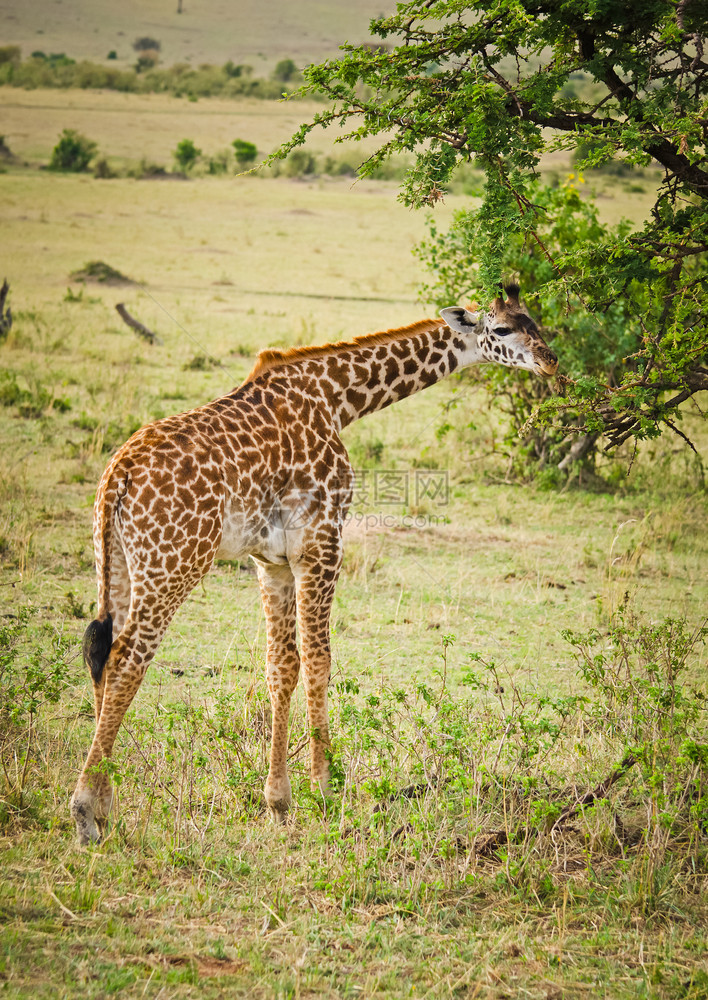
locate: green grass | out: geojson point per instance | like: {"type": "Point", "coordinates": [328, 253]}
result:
{"type": "Point", "coordinates": [194, 894]}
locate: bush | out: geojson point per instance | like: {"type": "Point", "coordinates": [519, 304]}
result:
{"type": "Point", "coordinates": [146, 171]}
{"type": "Point", "coordinates": [98, 270]}
{"type": "Point", "coordinates": [146, 44]}
{"type": "Point", "coordinates": [568, 220]}
{"type": "Point", "coordinates": [246, 152]}
{"type": "Point", "coordinates": [145, 77]}
{"type": "Point", "coordinates": [300, 163]}
{"type": "Point", "coordinates": [112, 54]}
{"type": "Point", "coordinates": [219, 163]}
{"type": "Point", "coordinates": [147, 60]}
{"type": "Point", "coordinates": [5, 151]}
{"type": "Point", "coordinates": [186, 154]}
{"type": "Point", "coordinates": [33, 675]}
{"type": "Point", "coordinates": [89, 76]}
{"type": "Point", "coordinates": [285, 71]}
{"type": "Point", "coordinates": [235, 70]}
{"type": "Point", "coordinates": [102, 170]}
{"type": "Point", "coordinates": [340, 166]}
{"type": "Point", "coordinates": [10, 54]}
{"type": "Point", "coordinates": [31, 403]}
{"type": "Point", "coordinates": [73, 152]}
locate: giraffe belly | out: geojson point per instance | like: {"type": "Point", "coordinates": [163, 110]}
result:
{"type": "Point", "coordinates": [256, 535]}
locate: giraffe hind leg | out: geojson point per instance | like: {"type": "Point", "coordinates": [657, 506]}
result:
{"type": "Point", "coordinates": [99, 636]}
{"type": "Point", "coordinates": [123, 672]}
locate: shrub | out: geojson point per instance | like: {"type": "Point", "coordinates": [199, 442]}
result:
{"type": "Point", "coordinates": [10, 54]}
{"type": "Point", "coordinates": [285, 71]}
{"type": "Point", "coordinates": [112, 54]}
{"type": "Point", "coordinates": [147, 60]}
{"type": "Point", "coordinates": [246, 152]}
{"type": "Point", "coordinates": [58, 70]}
{"type": "Point", "coordinates": [147, 44]}
{"type": "Point", "coordinates": [146, 171]}
{"type": "Point", "coordinates": [102, 170]}
{"type": "Point", "coordinates": [186, 154]}
{"type": "Point", "coordinates": [32, 677]}
{"type": "Point", "coordinates": [5, 151]}
{"type": "Point", "coordinates": [199, 363]}
{"type": "Point", "coordinates": [99, 271]}
{"type": "Point", "coordinates": [89, 76]}
{"type": "Point", "coordinates": [299, 163]}
{"type": "Point", "coordinates": [55, 59]}
{"type": "Point", "coordinates": [219, 162]}
{"type": "Point", "coordinates": [234, 70]}
{"type": "Point", "coordinates": [73, 152]}
{"type": "Point", "coordinates": [341, 166]}
{"type": "Point", "coordinates": [32, 402]}
{"type": "Point", "coordinates": [568, 220]}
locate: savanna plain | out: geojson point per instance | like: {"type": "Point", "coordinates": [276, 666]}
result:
{"type": "Point", "coordinates": [519, 675]}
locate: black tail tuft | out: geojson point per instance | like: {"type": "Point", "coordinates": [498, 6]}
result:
{"type": "Point", "coordinates": [98, 638]}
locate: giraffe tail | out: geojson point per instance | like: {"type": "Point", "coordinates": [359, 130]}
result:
{"type": "Point", "coordinates": [98, 637]}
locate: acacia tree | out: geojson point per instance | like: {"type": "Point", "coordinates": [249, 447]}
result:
{"type": "Point", "coordinates": [490, 81]}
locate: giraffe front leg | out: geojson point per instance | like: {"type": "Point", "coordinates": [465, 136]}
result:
{"type": "Point", "coordinates": [317, 665]}
{"type": "Point", "coordinates": [316, 581]}
{"type": "Point", "coordinates": [282, 670]}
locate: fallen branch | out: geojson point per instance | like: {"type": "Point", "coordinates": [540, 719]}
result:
{"type": "Point", "coordinates": [498, 838]}
{"type": "Point", "coordinates": [491, 842]}
{"type": "Point", "coordinates": [599, 792]}
{"type": "Point", "coordinates": [409, 792]}
{"type": "Point", "coordinates": [142, 331]}
{"type": "Point", "coordinates": [5, 314]}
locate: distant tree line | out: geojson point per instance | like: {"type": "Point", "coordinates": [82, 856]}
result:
{"type": "Point", "coordinates": [58, 70]}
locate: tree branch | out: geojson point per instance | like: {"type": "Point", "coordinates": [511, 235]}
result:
{"type": "Point", "coordinates": [599, 792]}
{"type": "Point", "coordinates": [661, 149]}
{"type": "Point", "coordinates": [142, 331]}
{"type": "Point", "coordinates": [5, 314]}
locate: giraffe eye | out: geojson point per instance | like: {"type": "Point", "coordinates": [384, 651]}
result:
{"type": "Point", "coordinates": [502, 330]}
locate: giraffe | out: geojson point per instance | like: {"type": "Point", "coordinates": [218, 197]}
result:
{"type": "Point", "coordinates": [260, 472]}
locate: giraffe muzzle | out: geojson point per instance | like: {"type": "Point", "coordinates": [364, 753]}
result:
{"type": "Point", "coordinates": [547, 364]}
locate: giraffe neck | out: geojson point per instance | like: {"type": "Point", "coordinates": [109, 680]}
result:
{"type": "Point", "coordinates": [365, 378]}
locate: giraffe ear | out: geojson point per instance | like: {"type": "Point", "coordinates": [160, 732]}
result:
{"type": "Point", "coordinates": [460, 319]}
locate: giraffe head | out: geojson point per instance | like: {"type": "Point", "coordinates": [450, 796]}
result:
{"type": "Point", "coordinates": [505, 334]}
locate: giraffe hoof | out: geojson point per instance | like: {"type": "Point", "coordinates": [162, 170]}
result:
{"type": "Point", "coordinates": [87, 831]}
{"type": "Point", "coordinates": [278, 795]}
{"type": "Point", "coordinates": [279, 811]}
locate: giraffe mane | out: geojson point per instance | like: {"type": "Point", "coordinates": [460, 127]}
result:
{"type": "Point", "coordinates": [273, 357]}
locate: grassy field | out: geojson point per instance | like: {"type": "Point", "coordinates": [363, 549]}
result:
{"type": "Point", "coordinates": [208, 31]}
{"type": "Point", "coordinates": [458, 706]}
